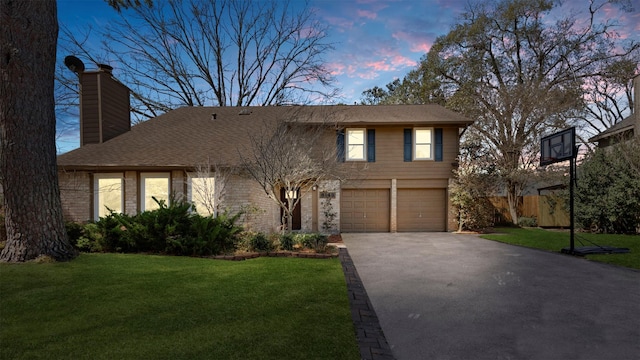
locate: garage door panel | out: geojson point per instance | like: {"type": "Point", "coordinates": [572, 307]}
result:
{"type": "Point", "coordinates": [364, 210]}
{"type": "Point", "coordinates": [421, 210]}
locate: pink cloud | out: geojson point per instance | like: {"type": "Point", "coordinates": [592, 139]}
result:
{"type": "Point", "coordinates": [401, 61]}
{"type": "Point", "coordinates": [339, 23]}
{"type": "Point", "coordinates": [379, 65]}
{"type": "Point", "coordinates": [417, 41]}
{"type": "Point", "coordinates": [338, 69]}
{"type": "Point", "coordinates": [421, 48]}
{"type": "Point", "coordinates": [367, 14]}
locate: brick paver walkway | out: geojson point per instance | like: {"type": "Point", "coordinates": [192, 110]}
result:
{"type": "Point", "coordinates": [373, 345]}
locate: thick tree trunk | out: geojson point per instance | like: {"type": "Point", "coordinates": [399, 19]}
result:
{"type": "Point", "coordinates": [28, 169]}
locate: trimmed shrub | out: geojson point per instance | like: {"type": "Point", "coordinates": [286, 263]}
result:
{"type": "Point", "coordinates": [260, 242]}
{"type": "Point", "coordinates": [171, 229]}
{"type": "Point", "coordinates": [317, 242]}
{"type": "Point", "coordinates": [287, 242]}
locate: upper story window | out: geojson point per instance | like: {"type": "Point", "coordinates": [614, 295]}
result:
{"type": "Point", "coordinates": [153, 185]}
{"type": "Point", "coordinates": [356, 144]}
{"type": "Point", "coordinates": [423, 141]}
{"type": "Point", "coordinates": [108, 194]}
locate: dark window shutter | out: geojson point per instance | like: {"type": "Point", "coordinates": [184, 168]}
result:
{"type": "Point", "coordinates": [408, 144]}
{"type": "Point", "coordinates": [371, 145]}
{"type": "Point", "coordinates": [438, 144]}
{"type": "Point", "coordinates": [340, 145]}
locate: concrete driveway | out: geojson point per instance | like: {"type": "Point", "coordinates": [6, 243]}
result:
{"type": "Point", "coordinates": [449, 296]}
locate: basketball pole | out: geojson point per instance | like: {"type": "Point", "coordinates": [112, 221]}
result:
{"type": "Point", "coordinates": [572, 165]}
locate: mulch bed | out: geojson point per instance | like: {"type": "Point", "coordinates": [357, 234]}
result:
{"type": "Point", "coordinates": [333, 239]}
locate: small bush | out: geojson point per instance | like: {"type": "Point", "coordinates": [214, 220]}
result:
{"type": "Point", "coordinates": [260, 242]}
{"type": "Point", "coordinates": [316, 242]}
{"type": "Point", "coordinates": [527, 221]}
{"type": "Point", "coordinates": [287, 242]}
{"type": "Point", "coordinates": [74, 232]}
{"type": "Point", "coordinates": [90, 239]}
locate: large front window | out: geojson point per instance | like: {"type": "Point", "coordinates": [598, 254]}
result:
{"type": "Point", "coordinates": [154, 185]}
{"type": "Point", "coordinates": [107, 189]}
{"type": "Point", "coordinates": [201, 193]}
{"type": "Point", "coordinates": [422, 144]}
{"type": "Point", "coordinates": [356, 144]}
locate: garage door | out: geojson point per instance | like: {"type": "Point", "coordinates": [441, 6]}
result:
{"type": "Point", "coordinates": [364, 210]}
{"type": "Point", "coordinates": [422, 210]}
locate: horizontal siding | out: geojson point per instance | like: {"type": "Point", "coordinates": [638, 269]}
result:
{"type": "Point", "coordinates": [115, 108]}
{"type": "Point", "coordinates": [389, 162]}
{"type": "Point", "coordinates": [109, 97]}
{"type": "Point", "coordinates": [422, 183]}
{"type": "Point", "coordinates": [89, 122]}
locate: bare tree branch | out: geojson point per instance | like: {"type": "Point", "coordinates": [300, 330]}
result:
{"type": "Point", "coordinates": [221, 53]}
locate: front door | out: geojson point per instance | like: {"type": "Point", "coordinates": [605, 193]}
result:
{"type": "Point", "coordinates": [296, 220]}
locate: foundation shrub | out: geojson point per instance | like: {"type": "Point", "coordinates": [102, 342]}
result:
{"type": "Point", "coordinates": [170, 229]}
{"type": "Point", "coordinates": [314, 241]}
{"type": "Point", "coordinates": [287, 242]}
{"type": "Point", "coordinates": [260, 242]}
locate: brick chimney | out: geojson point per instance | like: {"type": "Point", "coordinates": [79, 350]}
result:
{"type": "Point", "coordinates": [104, 106]}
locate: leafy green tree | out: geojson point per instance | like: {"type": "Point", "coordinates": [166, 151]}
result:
{"type": "Point", "coordinates": [608, 189]}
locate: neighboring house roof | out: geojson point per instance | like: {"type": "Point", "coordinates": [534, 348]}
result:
{"type": "Point", "coordinates": [192, 136]}
{"type": "Point", "coordinates": [627, 124]}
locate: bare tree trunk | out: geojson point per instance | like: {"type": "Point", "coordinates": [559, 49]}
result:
{"type": "Point", "coordinates": [28, 169]}
{"type": "Point", "coordinates": [512, 201]}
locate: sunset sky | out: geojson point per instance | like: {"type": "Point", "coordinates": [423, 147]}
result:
{"type": "Point", "coordinates": [375, 41]}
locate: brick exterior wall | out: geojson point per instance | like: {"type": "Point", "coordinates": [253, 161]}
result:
{"type": "Point", "coordinates": [330, 186]}
{"type": "Point", "coordinates": [306, 209]}
{"type": "Point", "coordinates": [76, 195]}
{"type": "Point", "coordinates": [393, 222]}
{"type": "Point", "coordinates": [241, 193]}
{"type": "Point", "coordinates": [131, 192]}
{"type": "Point", "coordinates": [179, 185]}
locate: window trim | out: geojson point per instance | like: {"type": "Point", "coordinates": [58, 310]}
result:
{"type": "Point", "coordinates": [415, 144]}
{"type": "Point", "coordinates": [146, 175]}
{"type": "Point", "coordinates": [96, 191]}
{"type": "Point", "coordinates": [364, 144]}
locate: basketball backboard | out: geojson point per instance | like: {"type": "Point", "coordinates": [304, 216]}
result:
{"type": "Point", "coordinates": [558, 147]}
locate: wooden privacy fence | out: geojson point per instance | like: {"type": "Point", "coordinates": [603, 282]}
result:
{"type": "Point", "coordinates": [547, 209]}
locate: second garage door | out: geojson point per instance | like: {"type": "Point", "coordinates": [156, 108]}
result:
{"type": "Point", "coordinates": [422, 210]}
{"type": "Point", "coordinates": [364, 210]}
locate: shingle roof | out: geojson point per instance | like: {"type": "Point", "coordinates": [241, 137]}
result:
{"type": "Point", "coordinates": [189, 136]}
{"type": "Point", "coordinates": [624, 125]}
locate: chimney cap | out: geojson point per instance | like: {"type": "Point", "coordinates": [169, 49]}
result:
{"type": "Point", "coordinates": [74, 64]}
{"type": "Point", "coordinates": [105, 68]}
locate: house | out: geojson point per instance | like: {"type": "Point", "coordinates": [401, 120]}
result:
{"type": "Point", "coordinates": [625, 129]}
{"type": "Point", "coordinates": [405, 155]}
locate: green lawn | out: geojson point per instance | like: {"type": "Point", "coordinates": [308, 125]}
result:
{"type": "Point", "coordinates": [556, 240]}
{"type": "Point", "coordinates": [114, 306]}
